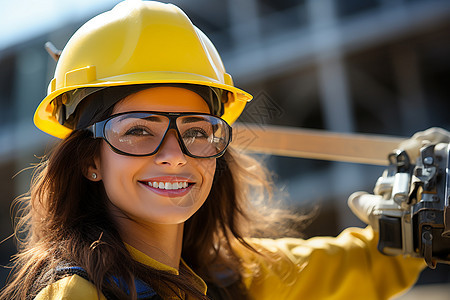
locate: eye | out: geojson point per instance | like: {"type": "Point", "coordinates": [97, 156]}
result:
{"type": "Point", "coordinates": [138, 131]}
{"type": "Point", "coordinates": [195, 133]}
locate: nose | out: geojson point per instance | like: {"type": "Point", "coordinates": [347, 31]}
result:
{"type": "Point", "coordinates": [170, 153]}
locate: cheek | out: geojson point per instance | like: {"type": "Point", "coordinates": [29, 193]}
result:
{"type": "Point", "coordinates": [116, 171]}
{"type": "Point", "coordinates": [207, 169]}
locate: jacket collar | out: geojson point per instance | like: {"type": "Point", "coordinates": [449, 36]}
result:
{"type": "Point", "coordinates": [139, 256]}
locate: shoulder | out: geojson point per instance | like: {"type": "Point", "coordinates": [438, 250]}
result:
{"type": "Point", "coordinates": [70, 288]}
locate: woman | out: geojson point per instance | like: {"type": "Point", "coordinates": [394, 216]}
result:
{"type": "Point", "coordinates": [143, 198]}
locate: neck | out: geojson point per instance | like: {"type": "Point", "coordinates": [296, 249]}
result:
{"type": "Point", "coordinates": [159, 241]}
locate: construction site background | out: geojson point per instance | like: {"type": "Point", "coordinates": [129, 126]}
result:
{"type": "Point", "coordinates": [364, 66]}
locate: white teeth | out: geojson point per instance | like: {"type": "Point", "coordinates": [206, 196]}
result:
{"type": "Point", "coordinates": [168, 185]}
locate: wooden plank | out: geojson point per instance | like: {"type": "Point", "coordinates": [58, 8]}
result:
{"type": "Point", "coordinates": [315, 144]}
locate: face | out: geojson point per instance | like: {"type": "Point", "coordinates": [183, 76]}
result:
{"type": "Point", "coordinates": [142, 188]}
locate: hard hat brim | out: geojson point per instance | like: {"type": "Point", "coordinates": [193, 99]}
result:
{"type": "Point", "coordinates": [47, 122]}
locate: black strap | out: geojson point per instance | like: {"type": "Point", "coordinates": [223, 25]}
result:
{"type": "Point", "coordinates": [144, 291]}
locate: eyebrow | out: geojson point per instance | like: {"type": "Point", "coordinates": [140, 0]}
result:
{"type": "Point", "coordinates": [125, 118]}
{"type": "Point", "coordinates": [193, 119]}
{"type": "Point", "coordinates": [153, 119]}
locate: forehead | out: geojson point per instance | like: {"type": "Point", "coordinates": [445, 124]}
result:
{"type": "Point", "coordinates": [165, 99]}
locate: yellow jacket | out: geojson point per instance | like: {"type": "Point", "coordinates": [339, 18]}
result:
{"type": "Point", "coordinates": [346, 267]}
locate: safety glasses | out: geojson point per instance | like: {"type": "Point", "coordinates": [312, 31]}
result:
{"type": "Point", "coordinates": [141, 133]}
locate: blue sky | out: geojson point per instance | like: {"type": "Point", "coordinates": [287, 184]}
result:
{"type": "Point", "coordinates": [23, 19]}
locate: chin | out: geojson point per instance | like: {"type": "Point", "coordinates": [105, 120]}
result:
{"type": "Point", "coordinates": [177, 215]}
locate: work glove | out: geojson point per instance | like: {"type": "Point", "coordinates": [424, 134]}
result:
{"type": "Point", "coordinates": [370, 207]}
{"type": "Point", "coordinates": [363, 205]}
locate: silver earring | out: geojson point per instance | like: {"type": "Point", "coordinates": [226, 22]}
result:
{"type": "Point", "coordinates": [94, 175]}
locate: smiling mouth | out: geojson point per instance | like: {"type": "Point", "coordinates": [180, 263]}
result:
{"type": "Point", "coordinates": [162, 185]}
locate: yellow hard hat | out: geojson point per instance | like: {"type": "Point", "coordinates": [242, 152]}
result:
{"type": "Point", "coordinates": [137, 42]}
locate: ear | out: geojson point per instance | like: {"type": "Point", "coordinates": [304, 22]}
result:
{"type": "Point", "coordinates": [93, 171]}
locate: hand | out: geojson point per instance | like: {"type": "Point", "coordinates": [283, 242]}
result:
{"type": "Point", "coordinates": [432, 135]}
{"type": "Point", "coordinates": [363, 205]}
{"type": "Point", "coordinates": [370, 207]}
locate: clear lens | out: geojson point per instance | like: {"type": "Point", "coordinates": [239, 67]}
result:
{"type": "Point", "coordinates": [142, 133]}
{"type": "Point", "coordinates": [203, 135]}
{"type": "Point", "coordinates": [136, 133]}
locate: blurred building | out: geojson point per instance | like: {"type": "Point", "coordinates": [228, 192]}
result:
{"type": "Point", "coordinates": [368, 66]}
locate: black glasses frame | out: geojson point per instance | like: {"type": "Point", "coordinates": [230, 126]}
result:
{"type": "Point", "coordinates": [98, 130]}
